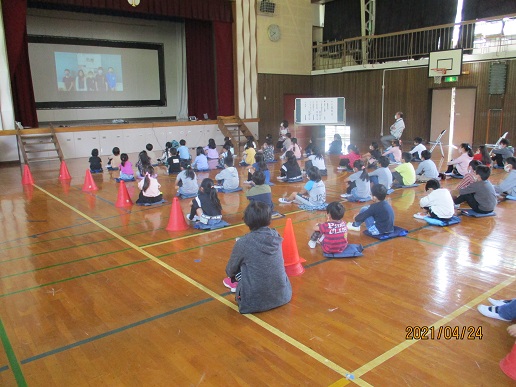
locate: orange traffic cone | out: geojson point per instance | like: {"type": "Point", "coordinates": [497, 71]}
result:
{"type": "Point", "coordinates": [27, 176]}
{"type": "Point", "coordinates": [508, 364]}
{"type": "Point", "coordinates": [177, 221]}
{"type": "Point", "coordinates": [290, 254]}
{"type": "Point", "coordinates": [65, 184]}
{"type": "Point", "coordinates": [63, 172]}
{"type": "Point", "coordinates": [89, 183]}
{"type": "Point", "coordinates": [123, 199]}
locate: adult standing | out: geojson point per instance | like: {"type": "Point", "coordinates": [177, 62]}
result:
{"type": "Point", "coordinates": [396, 130]}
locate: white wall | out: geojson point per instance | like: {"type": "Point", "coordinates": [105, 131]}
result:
{"type": "Point", "coordinates": [133, 140]}
{"type": "Point", "coordinates": [171, 35]}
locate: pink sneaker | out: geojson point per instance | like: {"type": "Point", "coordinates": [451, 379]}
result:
{"type": "Point", "coordinates": [229, 284]}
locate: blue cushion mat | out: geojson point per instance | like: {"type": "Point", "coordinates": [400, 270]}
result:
{"type": "Point", "coordinates": [202, 226]}
{"type": "Point", "coordinates": [222, 190]}
{"type": "Point", "coordinates": [321, 207]}
{"type": "Point", "coordinates": [152, 204]}
{"type": "Point", "coordinates": [510, 197]}
{"type": "Point", "coordinates": [476, 214]}
{"type": "Point", "coordinates": [349, 252]}
{"type": "Point", "coordinates": [440, 222]}
{"type": "Point", "coordinates": [397, 232]}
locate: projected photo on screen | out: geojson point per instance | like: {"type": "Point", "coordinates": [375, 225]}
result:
{"type": "Point", "coordinates": [86, 73]}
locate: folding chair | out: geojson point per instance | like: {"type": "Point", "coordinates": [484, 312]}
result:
{"type": "Point", "coordinates": [438, 142]}
{"type": "Point", "coordinates": [494, 146]}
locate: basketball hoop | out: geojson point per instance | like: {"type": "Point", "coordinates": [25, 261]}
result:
{"type": "Point", "coordinates": [438, 78]}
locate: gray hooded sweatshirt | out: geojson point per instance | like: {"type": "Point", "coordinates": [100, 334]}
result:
{"type": "Point", "coordinates": [263, 284]}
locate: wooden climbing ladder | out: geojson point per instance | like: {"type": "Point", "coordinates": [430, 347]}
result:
{"type": "Point", "coordinates": [37, 145]}
{"type": "Point", "coordinates": [234, 128]}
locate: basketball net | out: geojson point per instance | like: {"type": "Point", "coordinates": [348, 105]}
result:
{"type": "Point", "coordinates": [438, 78]}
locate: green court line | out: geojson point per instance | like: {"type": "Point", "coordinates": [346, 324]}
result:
{"type": "Point", "coordinates": [72, 278]}
{"type": "Point", "coordinates": [64, 263]}
{"type": "Point", "coordinates": [56, 250]}
{"type": "Point", "coordinates": [11, 356]}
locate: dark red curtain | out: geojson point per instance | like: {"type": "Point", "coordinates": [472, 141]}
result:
{"type": "Point", "coordinates": [200, 68]}
{"type": "Point", "coordinates": [15, 26]}
{"type": "Point", "coordinates": [159, 9]}
{"type": "Point", "coordinates": [224, 63]}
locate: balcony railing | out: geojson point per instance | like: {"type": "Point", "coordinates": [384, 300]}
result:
{"type": "Point", "coordinates": [475, 37]}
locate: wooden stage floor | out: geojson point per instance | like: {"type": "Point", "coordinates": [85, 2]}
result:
{"type": "Point", "coordinates": [93, 295]}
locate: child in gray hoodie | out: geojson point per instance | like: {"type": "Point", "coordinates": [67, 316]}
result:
{"type": "Point", "coordinates": [256, 271]}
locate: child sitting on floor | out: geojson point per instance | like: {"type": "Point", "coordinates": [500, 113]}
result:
{"type": "Point", "coordinates": [248, 155]}
{"type": "Point", "coordinates": [347, 161]}
{"type": "Point", "coordinates": [143, 162]}
{"type": "Point", "coordinates": [418, 148]}
{"type": "Point", "coordinates": [184, 153]}
{"type": "Point", "coordinates": [211, 150]}
{"type": "Point", "coordinates": [227, 179]}
{"type": "Point", "coordinates": [268, 150]}
{"type": "Point", "coordinates": [378, 217]}
{"type": "Point", "coordinates": [427, 170]}
{"type": "Point", "coordinates": [290, 171]}
{"type": "Point", "coordinates": [226, 153]}
{"type": "Point", "coordinates": [313, 194]}
{"type": "Point", "coordinates": [480, 195]}
{"type": "Point", "coordinates": [149, 188]}
{"type": "Point", "coordinates": [459, 166]}
{"type": "Point", "coordinates": [259, 165]}
{"type": "Point", "coordinates": [126, 169]}
{"type": "Point", "coordinates": [201, 161]}
{"type": "Point", "coordinates": [404, 174]}
{"type": "Point", "coordinates": [206, 207]}
{"type": "Point", "coordinates": [173, 162]}
{"type": "Point", "coordinates": [260, 191]}
{"type": "Point", "coordinates": [469, 177]}
{"type": "Point", "coordinates": [316, 159]}
{"type": "Point", "coordinates": [95, 161]}
{"type": "Point", "coordinates": [114, 162]}
{"type": "Point", "coordinates": [186, 181]}
{"type": "Point", "coordinates": [394, 152]}
{"type": "Point", "coordinates": [508, 185]}
{"type": "Point", "coordinates": [371, 158]}
{"type": "Point", "coordinates": [256, 270]}
{"type": "Point", "coordinates": [482, 155]}
{"type": "Point", "coordinates": [332, 234]}
{"type": "Point", "coordinates": [383, 174]}
{"type": "Point", "coordinates": [502, 152]}
{"type": "Point", "coordinates": [359, 188]}
{"type": "Point", "coordinates": [295, 148]}
{"type": "Point", "coordinates": [438, 203]}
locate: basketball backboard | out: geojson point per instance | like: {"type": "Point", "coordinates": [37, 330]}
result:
{"type": "Point", "coordinates": [451, 60]}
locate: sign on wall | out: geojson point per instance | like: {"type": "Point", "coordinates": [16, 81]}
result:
{"type": "Point", "coordinates": [319, 111]}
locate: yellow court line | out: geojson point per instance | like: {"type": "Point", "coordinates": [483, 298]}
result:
{"type": "Point", "coordinates": [404, 345]}
{"type": "Point", "coordinates": [303, 348]}
{"type": "Point", "coordinates": [202, 233]}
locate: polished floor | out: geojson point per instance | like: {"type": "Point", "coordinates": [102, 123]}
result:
{"type": "Point", "coordinates": [95, 295]}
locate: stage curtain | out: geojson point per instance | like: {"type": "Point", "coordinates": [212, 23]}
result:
{"type": "Point", "coordinates": [224, 63]}
{"type": "Point", "coordinates": [15, 26]}
{"type": "Point", "coordinates": [159, 9]}
{"type": "Point", "coordinates": [200, 68]}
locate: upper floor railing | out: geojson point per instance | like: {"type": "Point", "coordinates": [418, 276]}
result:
{"type": "Point", "coordinates": [475, 37]}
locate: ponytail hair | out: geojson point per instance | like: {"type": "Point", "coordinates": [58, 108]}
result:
{"type": "Point", "coordinates": [188, 169]}
{"type": "Point", "coordinates": [123, 158]}
{"type": "Point", "coordinates": [149, 170]}
{"type": "Point", "coordinates": [467, 148]}
{"type": "Point", "coordinates": [359, 164]}
{"type": "Point", "coordinates": [291, 159]}
{"type": "Point", "coordinates": [211, 191]}
{"type": "Point", "coordinates": [486, 160]}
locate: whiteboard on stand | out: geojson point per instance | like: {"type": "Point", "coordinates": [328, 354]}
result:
{"type": "Point", "coordinates": [320, 111]}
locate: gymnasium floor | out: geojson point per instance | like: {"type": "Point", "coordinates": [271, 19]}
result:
{"type": "Point", "coordinates": [91, 294]}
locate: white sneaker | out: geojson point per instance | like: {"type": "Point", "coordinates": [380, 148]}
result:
{"type": "Point", "coordinates": [419, 215]}
{"type": "Point", "coordinates": [350, 226]}
{"type": "Point", "coordinates": [494, 302]}
{"type": "Point", "coordinates": [195, 218]}
{"type": "Point", "coordinates": [218, 187]}
{"type": "Point", "coordinates": [284, 201]}
{"type": "Point", "coordinates": [448, 173]}
{"type": "Point", "coordinates": [312, 244]}
{"type": "Point", "coordinates": [490, 311]}
{"type": "Point", "coordinates": [344, 196]}
{"type": "Point", "coordinates": [341, 168]}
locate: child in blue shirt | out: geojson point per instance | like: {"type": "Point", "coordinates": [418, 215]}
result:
{"type": "Point", "coordinates": [313, 194]}
{"type": "Point", "coordinates": [378, 217]}
{"type": "Point", "coordinates": [201, 161]}
{"type": "Point", "coordinates": [184, 153]}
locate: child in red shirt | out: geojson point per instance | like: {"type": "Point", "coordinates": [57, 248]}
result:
{"type": "Point", "coordinates": [346, 161]}
{"type": "Point", "coordinates": [333, 234]}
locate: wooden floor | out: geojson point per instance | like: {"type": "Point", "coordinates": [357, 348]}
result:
{"type": "Point", "coordinates": [94, 295]}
